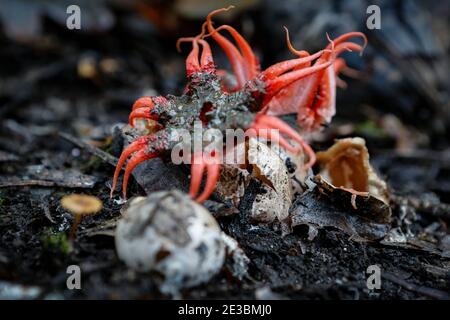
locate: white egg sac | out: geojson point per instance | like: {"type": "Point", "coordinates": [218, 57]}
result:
{"type": "Point", "coordinates": [172, 235]}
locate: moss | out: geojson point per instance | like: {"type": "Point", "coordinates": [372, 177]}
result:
{"type": "Point", "coordinates": [94, 162]}
{"type": "Point", "coordinates": [56, 241]}
{"type": "Point", "coordinates": [370, 129]}
{"type": "Point", "coordinates": [107, 144]}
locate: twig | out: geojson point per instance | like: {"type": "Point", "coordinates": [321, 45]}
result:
{"type": "Point", "coordinates": [27, 183]}
{"type": "Point", "coordinates": [42, 183]}
{"type": "Point", "coordinates": [67, 178]}
{"type": "Point", "coordinates": [437, 210]}
{"type": "Point", "coordinates": [90, 148]}
{"type": "Point", "coordinates": [431, 292]}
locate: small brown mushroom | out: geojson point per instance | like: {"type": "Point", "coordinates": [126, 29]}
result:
{"type": "Point", "coordinates": [80, 205]}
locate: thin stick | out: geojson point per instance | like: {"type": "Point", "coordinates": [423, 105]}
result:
{"type": "Point", "coordinates": [90, 148]}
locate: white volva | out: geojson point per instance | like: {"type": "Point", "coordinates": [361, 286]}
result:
{"type": "Point", "coordinates": [169, 233]}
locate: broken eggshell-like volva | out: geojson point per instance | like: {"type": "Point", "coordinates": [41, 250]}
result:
{"type": "Point", "coordinates": [345, 169]}
{"type": "Point", "coordinates": [232, 183]}
{"type": "Point", "coordinates": [295, 166]}
{"type": "Point", "coordinates": [172, 235]}
{"type": "Point", "coordinates": [263, 164]}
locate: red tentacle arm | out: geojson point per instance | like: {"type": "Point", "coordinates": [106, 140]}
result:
{"type": "Point", "coordinates": [258, 130]}
{"type": "Point", "coordinates": [193, 64]}
{"type": "Point", "coordinates": [284, 66]}
{"type": "Point", "coordinates": [233, 54]}
{"type": "Point", "coordinates": [270, 123]}
{"type": "Point", "coordinates": [250, 61]}
{"type": "Point", "coordinates": [212, 165]}
{"type": "Point", "coordinates": [143, 102]}
{"type": "Point", "coordinates": [135, 146]}
{"type": "Point", "coordinates": [346, 36]}
{"type": "Point", "coordinates": [300, 53]}
{"type": "Point", "coordinates": [313, 97]}
{"type": "Point", "coordinates": [140, 156]}
{"type": "Point", "coordinates": [142, 113]}
{"type": "Point", "coordinates": [275, 85]}
{"type": "Point", "coordinates": [339, 65]}
{"type": "Point", "coordinates": [206, 60]}
{"type": "Point", "coordinates": [143, 108]}
{"type": "Point", "coordinates": [147, 103]}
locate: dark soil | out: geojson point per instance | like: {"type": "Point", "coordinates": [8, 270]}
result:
{"type": "Point", "coordinates": [43, 92]}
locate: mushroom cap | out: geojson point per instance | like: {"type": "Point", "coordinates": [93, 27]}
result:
{"type": "Point", "coordinates": [81, 204]}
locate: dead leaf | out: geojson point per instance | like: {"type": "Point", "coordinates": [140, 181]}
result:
{"type": "Point", "coordinates": [316, 210]}
{"type": "Point", "coordinates": [345, 166]}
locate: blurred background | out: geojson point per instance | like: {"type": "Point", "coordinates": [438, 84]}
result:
{"type": "Point", "coordinates": [83, 82]}
{"type": "Point", "coordinates": [83, 79]}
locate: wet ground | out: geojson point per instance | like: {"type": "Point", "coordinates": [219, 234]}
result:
{"type": "Point", "coordinates": [61, 95]}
